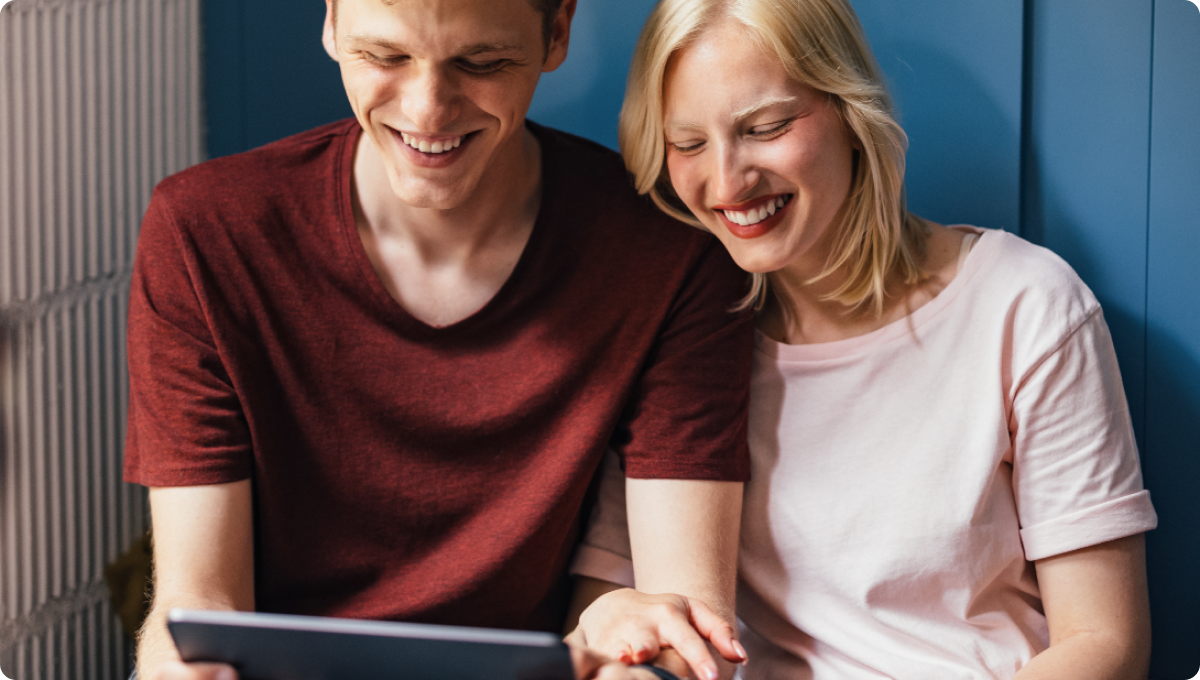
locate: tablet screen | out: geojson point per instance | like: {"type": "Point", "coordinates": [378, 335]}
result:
{"type": "Point", "coordinates": [287, 647]}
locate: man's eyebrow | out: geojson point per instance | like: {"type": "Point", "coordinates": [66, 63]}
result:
{"type": "Point", "coordinates": [386, 43]}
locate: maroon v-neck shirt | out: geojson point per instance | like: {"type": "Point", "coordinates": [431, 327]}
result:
{"type": "Point", "coordinates": [402, 471]}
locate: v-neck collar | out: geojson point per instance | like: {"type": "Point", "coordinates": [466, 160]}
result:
{"type": "Point", "coordinates": [504, 299]}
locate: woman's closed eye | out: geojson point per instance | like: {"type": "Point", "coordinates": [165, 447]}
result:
{"type": "Point", "coordinates": [771, 130]}
{"type": "Point", "coordinates": [686, 147]}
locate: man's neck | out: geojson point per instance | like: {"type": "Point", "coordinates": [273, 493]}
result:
{"type": "Point", "coordinates": [505, 197]}
{"type": "Point", "coordinates": [443, 265]}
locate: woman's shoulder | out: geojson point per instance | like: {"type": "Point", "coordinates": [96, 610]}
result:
{"type": "Point", "coordinates": [1032, 284]}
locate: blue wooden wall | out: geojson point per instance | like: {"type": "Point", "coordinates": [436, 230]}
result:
{"type": "Point", "coordinates": [1071, 122]}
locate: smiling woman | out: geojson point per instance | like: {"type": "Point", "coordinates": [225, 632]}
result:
{"type": "Point", "coordinates": [874, 214]}
{"type": "Point", "coordinates": [944, 477]}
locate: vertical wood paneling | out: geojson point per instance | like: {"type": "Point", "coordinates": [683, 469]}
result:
{"type": "Point", "coordinates": [99, 99]}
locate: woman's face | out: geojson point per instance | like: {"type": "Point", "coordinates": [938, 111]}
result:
{"type": "Point", "coordinates": [763, 161]}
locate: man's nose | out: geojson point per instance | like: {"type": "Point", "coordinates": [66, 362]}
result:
{"type": "Point", "coordinates": [431, 100]}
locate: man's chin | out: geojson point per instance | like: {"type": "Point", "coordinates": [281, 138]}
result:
{"type": "Point", "coordinates": [426, 197]}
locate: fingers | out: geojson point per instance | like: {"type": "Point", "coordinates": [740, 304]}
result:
{"type": "Point", "coordinates": [642, 644]}
{"type": "Point", "coordinates": [635, 627]}
{"type": "Point", "coordinates": [679, 635]}
{"type": "Point", "coordinates": [717, 630]}
{"type": "Point", "coordinates": [177, 670]}
{"type": "Point", "coordinates": [672, 661]}
{"type": "Point", "coordinates": [587, 663]}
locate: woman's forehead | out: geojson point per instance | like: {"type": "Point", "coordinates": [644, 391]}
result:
{"type": "Point", "coordinates": [725, 68]}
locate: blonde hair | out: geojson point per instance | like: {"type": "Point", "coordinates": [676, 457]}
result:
{"type": "Point", "coordinates": [820, 43]}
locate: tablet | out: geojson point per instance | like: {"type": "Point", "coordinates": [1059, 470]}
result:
{"type": "Point", "coordinates": [287, 647]}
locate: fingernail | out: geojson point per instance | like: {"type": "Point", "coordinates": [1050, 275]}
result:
{"type": "Point", "coordinates": [225, 674]}
{"type": "Point", "coordinates": [710, 672]}
{"type": "Point", "coordinates": [737, 646]}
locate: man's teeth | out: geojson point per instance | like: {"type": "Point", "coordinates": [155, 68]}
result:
{"type": "Point", "coordinates": [755, 215]}
{"type": "Point", "coordinates": [424, 146]}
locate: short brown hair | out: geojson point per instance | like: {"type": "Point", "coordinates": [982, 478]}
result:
{"type": "Point", "coordinates": [547, 8]}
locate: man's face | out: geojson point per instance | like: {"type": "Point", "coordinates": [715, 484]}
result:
{"type": "Point", "coordinates": [442, 86]}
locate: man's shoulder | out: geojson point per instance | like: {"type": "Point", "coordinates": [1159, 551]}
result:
{"type": "Point", "coordinates": [592, 179]}
{"type": "Point", "coordinates": [286, 167]}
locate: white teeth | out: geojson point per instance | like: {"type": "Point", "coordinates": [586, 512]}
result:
{"type": "Point", "coordinates": [755, 215]}
{"type": "Point", "coordinates": [424, 146]}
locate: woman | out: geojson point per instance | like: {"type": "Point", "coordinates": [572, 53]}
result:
{"type": "Point", "coordinates": [944, 482]}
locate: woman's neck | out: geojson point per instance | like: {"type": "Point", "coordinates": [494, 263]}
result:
{"type": "Point", "coordinates": [799, 312]}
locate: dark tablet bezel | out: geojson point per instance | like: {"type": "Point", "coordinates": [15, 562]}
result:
{"type": "Point", "coordinates": [288, 647]}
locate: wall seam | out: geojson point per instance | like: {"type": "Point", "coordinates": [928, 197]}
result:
{"type": "Point", "coordinates": [1146, 283]}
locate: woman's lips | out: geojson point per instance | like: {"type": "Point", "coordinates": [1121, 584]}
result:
{"type": "Point", "coordinates": [751, 220]}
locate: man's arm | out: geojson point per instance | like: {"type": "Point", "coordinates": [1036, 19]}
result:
{"type": "Point", "coordinates": [1098, 611]}
{"type": "Point", "coordinates": [203, 559]}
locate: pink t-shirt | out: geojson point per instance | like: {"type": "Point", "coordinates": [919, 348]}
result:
{"type": "Point", "coordinates": [904, 481]}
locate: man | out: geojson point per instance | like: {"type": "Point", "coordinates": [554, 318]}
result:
{"type": "Point", "coordinates": [373, 374]}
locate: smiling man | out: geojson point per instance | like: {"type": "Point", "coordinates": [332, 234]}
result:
{"type": "Point", "coordinates": [374, 366]}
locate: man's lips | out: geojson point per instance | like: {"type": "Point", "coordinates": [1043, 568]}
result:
{"type": "Point", "coordinates": [432, 145]}
{"type": "Point", "coordinates": [431, 151]}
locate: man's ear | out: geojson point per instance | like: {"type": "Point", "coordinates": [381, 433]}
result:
{"type": "Point", "coordinates": [560, 36]}
{"type": "Point", "coordinates": [327, 38]}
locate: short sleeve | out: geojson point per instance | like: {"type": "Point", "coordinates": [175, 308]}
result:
{"type": "Point", "coordinates": [604, 552]}
{"type": "Point", "coordinates": [185, 422]}
{"type": "Point", "coordinates": [1076, 475]}
{"type": "Point", "coordinates": [687, 416]}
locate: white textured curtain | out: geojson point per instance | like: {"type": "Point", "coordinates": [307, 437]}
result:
{"type": "Point", "coordinates": [99, 99]}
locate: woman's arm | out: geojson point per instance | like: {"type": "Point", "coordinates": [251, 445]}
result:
{"type": "Point", "coordinates": [1098, 610]}
{"type": "Point", "coordinates": [683, 535]}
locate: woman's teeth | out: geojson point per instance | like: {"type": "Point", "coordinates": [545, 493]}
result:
{"type": "Point", "coordinates": [424, 146]}
{"type": "Point", "coordinates": [756, 215]}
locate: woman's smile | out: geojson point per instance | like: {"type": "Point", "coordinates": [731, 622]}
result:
{"type": "Point", "coordinates": [754, 218]}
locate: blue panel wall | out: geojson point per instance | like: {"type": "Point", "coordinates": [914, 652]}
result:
{"type": "Point", "coordinates": [1087, 160]}
{"type": "Point", "coordinates": [584, 95]}
{"type": "Point", "coordinates": [956, 76]}
{"type": "Point", "coordinates": [267, 75]}
{"type": "Point", "coordinates": [1172, 424]}
{"type": "Point", "coordinates": [1072, 122]}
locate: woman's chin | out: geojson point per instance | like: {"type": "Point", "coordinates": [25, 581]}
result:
{"type": "Point", "coordinates": [756, 263]}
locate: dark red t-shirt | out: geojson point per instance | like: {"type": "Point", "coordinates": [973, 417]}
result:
{"type": "Point", "coordinates": [407, 472]}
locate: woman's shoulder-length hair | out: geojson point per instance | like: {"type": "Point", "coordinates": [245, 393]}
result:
{"type": "Point", "coordinates": [821, 44]}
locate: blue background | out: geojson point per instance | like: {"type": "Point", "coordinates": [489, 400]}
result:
{"type": "Point", "coordinates": [1073, 123]}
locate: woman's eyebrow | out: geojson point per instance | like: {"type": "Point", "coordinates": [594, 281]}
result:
{"type": "Point", "coordinates": [743, 114]}
{"type": "Point", "coordinates": [735, 117]}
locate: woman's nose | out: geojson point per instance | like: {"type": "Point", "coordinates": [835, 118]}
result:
{"type": "Point", "coordinates": [734, 175]}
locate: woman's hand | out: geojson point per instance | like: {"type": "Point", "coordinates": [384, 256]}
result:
{"type": "Point", "coordinates": [634, 627]}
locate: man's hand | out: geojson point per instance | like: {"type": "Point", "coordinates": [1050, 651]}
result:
{"type": "Point", "coordinates": [634, 627]}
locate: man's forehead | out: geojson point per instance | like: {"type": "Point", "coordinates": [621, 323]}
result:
{"type": "Point", "coordinates": [445, 9]}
